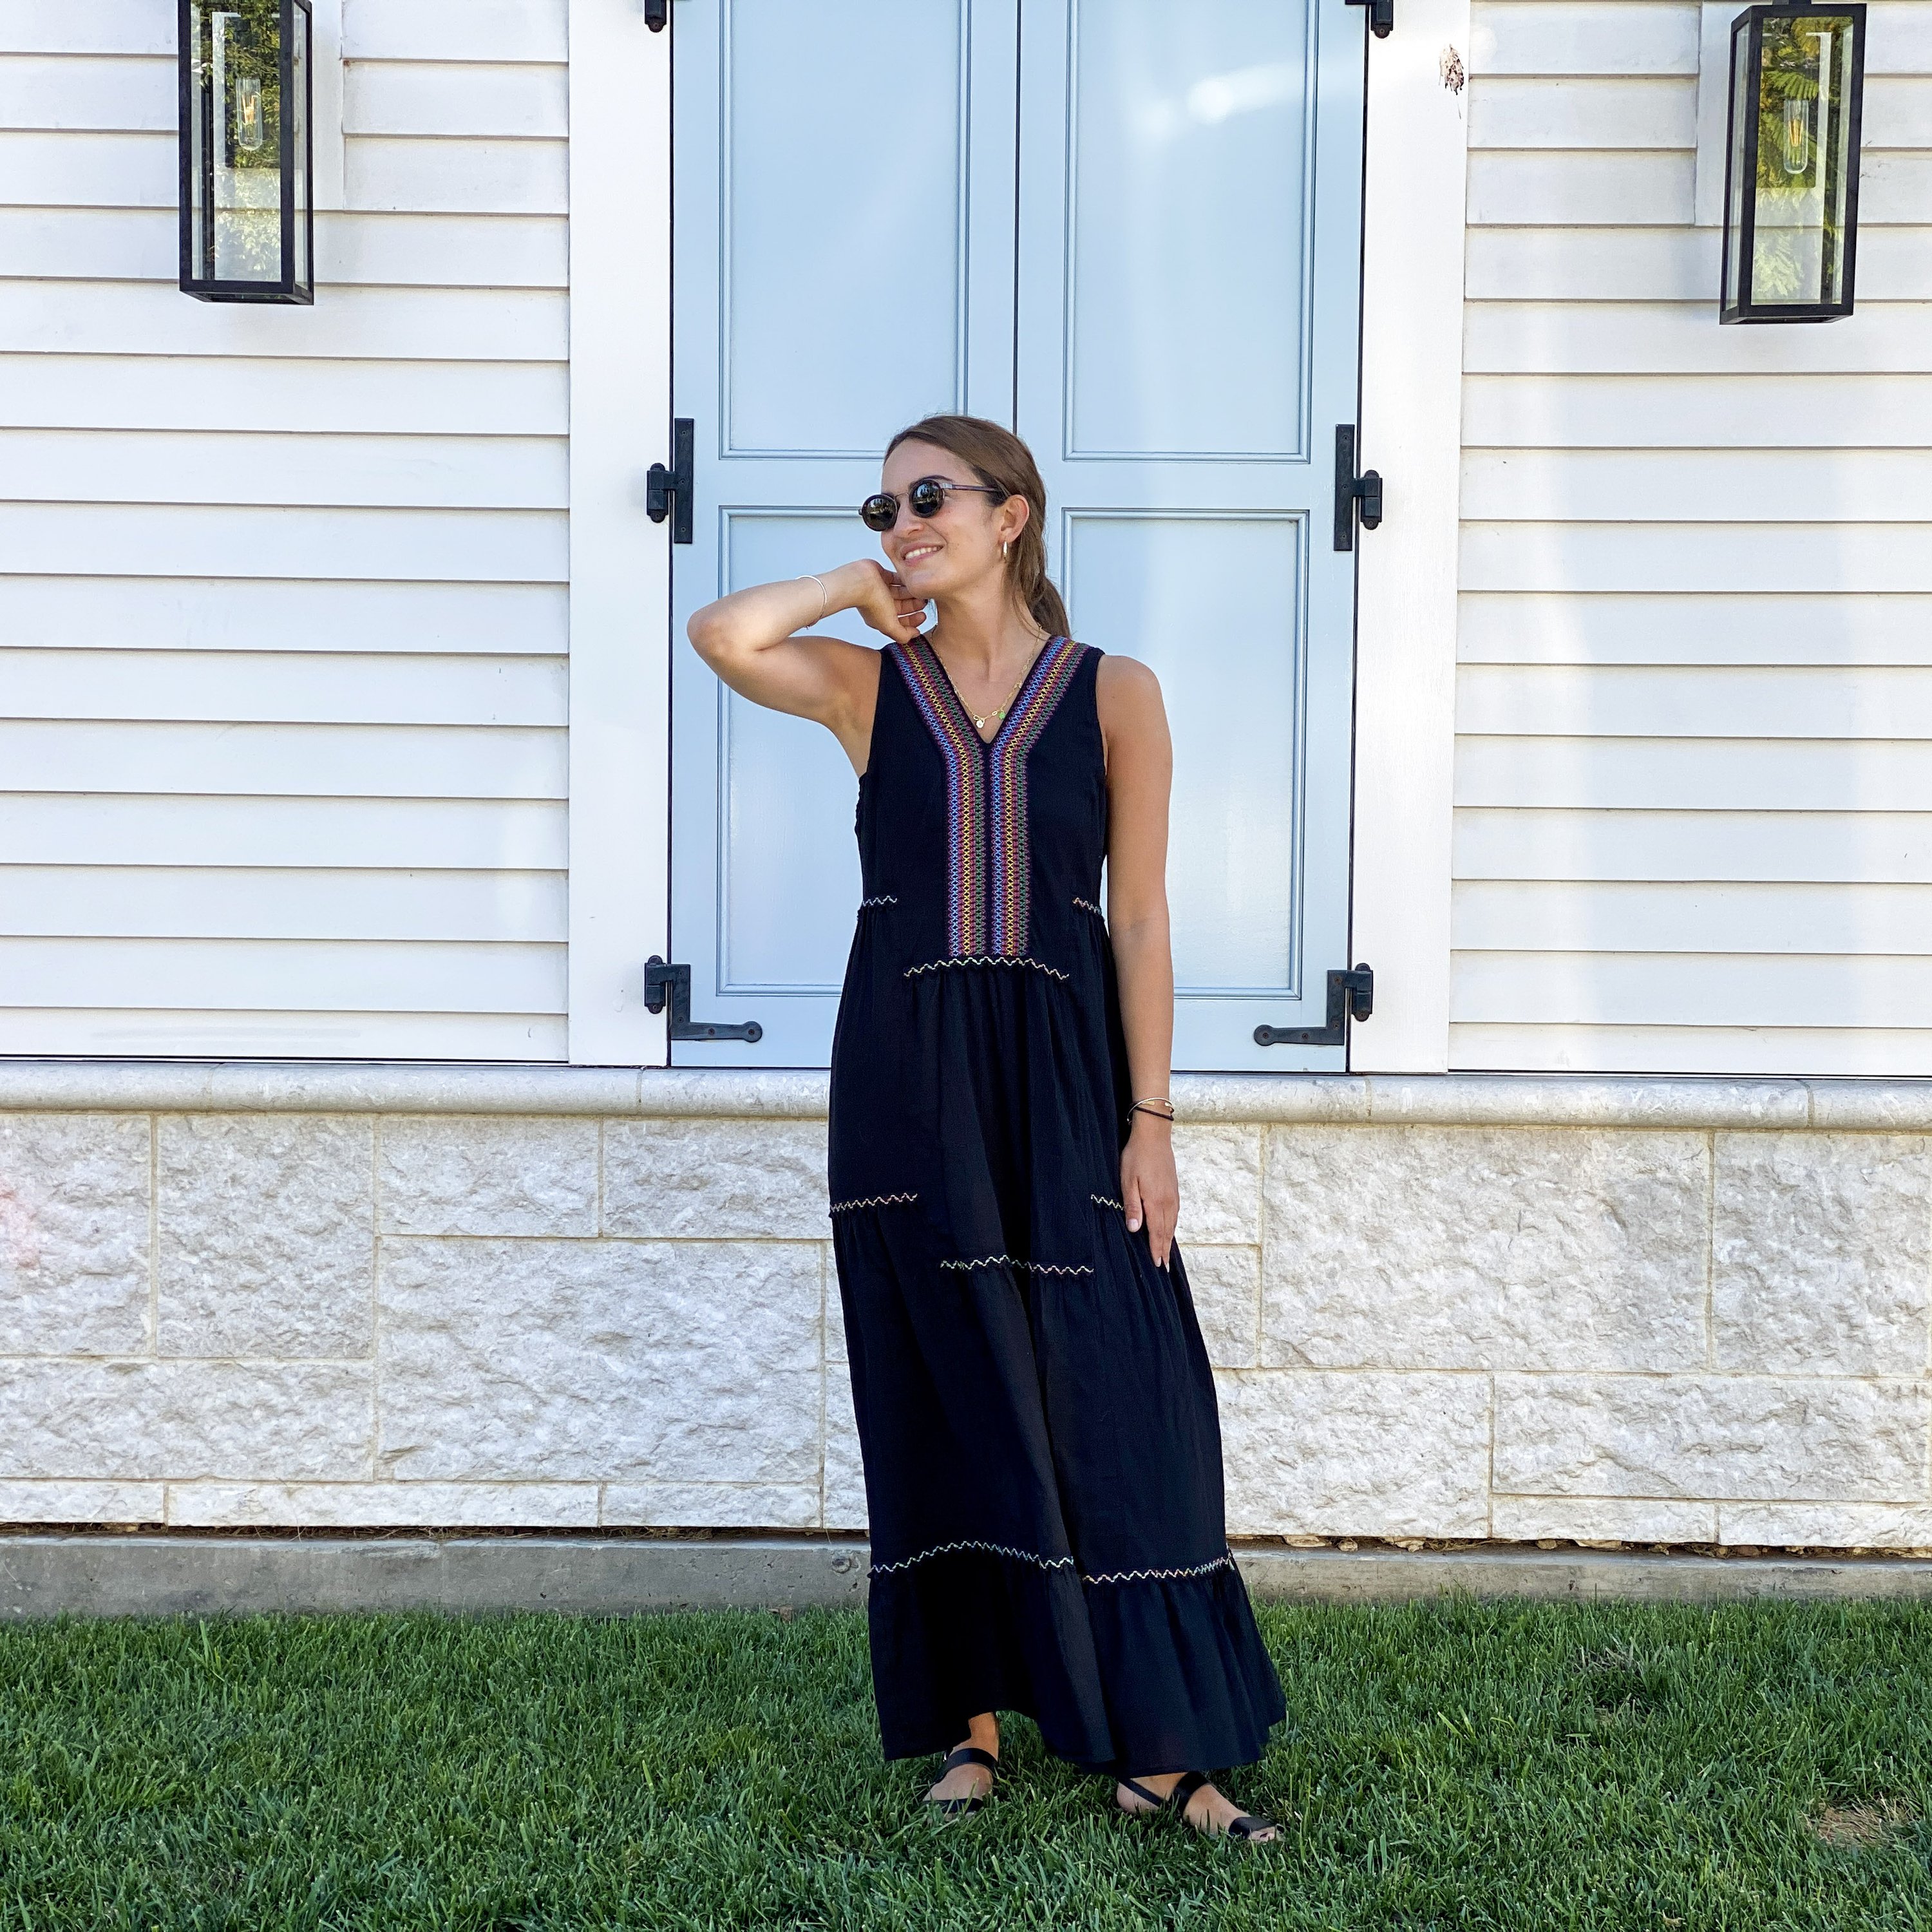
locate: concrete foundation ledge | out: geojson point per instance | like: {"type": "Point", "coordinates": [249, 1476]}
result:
{"type": "Point", "coordinates": [1442, 1100]}
{"type": "Point", "coordinates": [152, 1576]}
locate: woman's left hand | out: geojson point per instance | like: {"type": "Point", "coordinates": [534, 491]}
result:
{"type": "Point", "coordinates": [1150, 1189]}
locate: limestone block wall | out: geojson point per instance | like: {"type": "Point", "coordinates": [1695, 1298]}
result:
{"type": "Point", "coordinates": [1470, 1307]}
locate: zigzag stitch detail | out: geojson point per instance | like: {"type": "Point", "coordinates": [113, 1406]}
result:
{"type": "Point", "coordinates": [869, 1201]}
{"type": "Point", "coordinates": [883, 899]}
{"type": "Point", "coordinates": [1034, 1267]}
{"type": "Point", "coordinates": [1141, 1576]}
{"type": "Point", "coordinates": [1088, 905]}
{"type": "Point", "coordinates": [997, 1549]}
{"type": "Point", "coordinates": [1101, 1201]}
{"type": "Point", "coordinates": [1220, 1562]}
{"type": "Point", "coordinates": [989, 959]}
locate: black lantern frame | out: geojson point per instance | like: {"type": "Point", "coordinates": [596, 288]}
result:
{"type": "Point", "coordinates": [247, 142]}
{"type": "Point", "coordinates": [1791, 162]}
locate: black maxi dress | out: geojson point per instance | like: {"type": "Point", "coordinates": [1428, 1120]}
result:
{"type": "Point", "coordinates": [1035, 1412]}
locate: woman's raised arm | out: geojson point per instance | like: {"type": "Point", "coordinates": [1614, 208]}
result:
{"type": "Point", "coordinates": [752, 640]}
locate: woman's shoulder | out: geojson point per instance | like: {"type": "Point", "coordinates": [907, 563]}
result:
{"type": "Point", "coordinates": [1128, 677]}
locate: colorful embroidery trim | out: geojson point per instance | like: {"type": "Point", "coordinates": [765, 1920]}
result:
{"type": "Point", "coordinates": [989, 851]}
{"type": "Point", "coordinates": [883, 899]}
{"type": "Point", "coordinates": [1088, 905]}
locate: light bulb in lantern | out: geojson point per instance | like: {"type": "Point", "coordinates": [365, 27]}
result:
{"type": "Point", "coordinates": [248, 113]}
{"type": "Point", "coordinates": [1797, 135]}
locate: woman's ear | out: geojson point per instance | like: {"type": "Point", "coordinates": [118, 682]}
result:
{"type": "Point", "coordinates": [1012, 516]}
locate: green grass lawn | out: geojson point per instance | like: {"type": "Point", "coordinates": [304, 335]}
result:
{"type": "Point", "coordinates": [1468, 1765]}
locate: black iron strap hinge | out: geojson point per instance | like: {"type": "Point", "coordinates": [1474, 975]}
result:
{"type": "Point", "coordinates": [661, 978]}
{"type": "Point", "coordinates": [1352, 995]}
{"type": "Point", "coordinates": [657, 15]}
{"type": "Point", "coordinates": [668, 492]}
{"type": "Point", "coordinates": [1353, 493]}
{"type": "Point", "coordinates": [1382, 16]}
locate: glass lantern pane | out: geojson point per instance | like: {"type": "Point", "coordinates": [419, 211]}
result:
{"type": "Point", "coordinates": [1803, 133]}
{"type": "Point", "coordinates": [242, 167]}
{"type": "Point", "coordinates": [298, 114]}
{"type": "Point", "coordinates": [1734, 214]}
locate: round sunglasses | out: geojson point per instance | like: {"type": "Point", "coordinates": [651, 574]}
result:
{"type": "Point", "coordinates": [927, 497]}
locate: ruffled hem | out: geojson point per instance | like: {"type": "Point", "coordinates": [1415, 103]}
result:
{"type": "Point", "coordinates": [1165, 1673]}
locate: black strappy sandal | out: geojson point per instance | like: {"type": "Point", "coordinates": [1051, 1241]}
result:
{"type": "Point", "coordinates": [1175, 1804]}
{"type": "Point", "coordinates": [964, 1808]}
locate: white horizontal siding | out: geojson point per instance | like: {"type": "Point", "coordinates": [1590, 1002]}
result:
{"type": "Point", "coordinates": [364, 250]}
{"type": "Point", "coordinates": [285, 687]}
{"type": "Point", "coordinates": [1656, 628]}
{"type": "Point", "coordinates": [1531, 414]}
{"type": "Point", "coordinates": [489, 835]}
{"type": "Point", "coordinates": [160, 901]}
{"type": "Point", "coordinates": [1694, 711]}
{"type": "Point", "coordinates": [389, 761]}
{"type": "Point", "coordinates": [523, 101]}
{"type": "Point", "coordinates": [1684, 487]}
{"type": "Point", "coordinates": [1642, 774]}
{"type": "Point", "coordinates": [306, 470]}
{"type": "Point", "coordinates": [247, 393]}
{"type": "Point", "coordinates": [384, 324]}
{"type": "Point", "coordinates": [202, 1032]}
{"type": "Point", "coordinates": [283, 592]}
{"type": "Point", "coordinates": [200, 613]}
{"type": "Point", "coordinates": [1624, 264]}
{"type": "Point", "coordinates": [1525, 844]}
{"type": "Point", "coordinates": [247, 540]}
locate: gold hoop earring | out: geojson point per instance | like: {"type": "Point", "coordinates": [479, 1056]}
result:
{"type": "Point", "coordinates": [1004, 547]}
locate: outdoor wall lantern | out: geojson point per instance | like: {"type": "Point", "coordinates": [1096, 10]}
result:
{"type": "Point", "coordinates": [1791, 173]}
{"type": "Point", "coordinates": [247, 223]}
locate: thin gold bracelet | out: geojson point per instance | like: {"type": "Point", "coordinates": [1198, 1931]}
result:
{"type": "Point", "coordinates": [1153, 1105]}
{"type": "Point", "coordinates": [824, 595]}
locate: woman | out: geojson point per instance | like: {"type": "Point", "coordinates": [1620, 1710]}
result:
{"type": "Point", "coordinates": [1042, 1454]}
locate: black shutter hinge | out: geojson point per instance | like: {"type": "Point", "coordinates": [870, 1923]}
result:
{"type": "Point", "coordinates": [661, 978]}
{"type": "Point", "coordinates": [1352, 995]}
{"type": "Point", "coordinates": [657, 15]}
{"type": "Point", "coordinates": [1382, 16]}
{"type": "Point", "coordinates": [668, 492]}
{"type": "Point", "coordinates": [1352, 492]}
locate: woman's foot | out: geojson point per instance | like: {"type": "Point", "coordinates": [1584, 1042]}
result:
{"type": "Point", "coordinates": [1208, 1810]}
{"type": "Point", "coordinates": [970, 1783]}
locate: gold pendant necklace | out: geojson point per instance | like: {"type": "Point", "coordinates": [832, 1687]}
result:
{"type": "Point", "coordinates": [979, 724]}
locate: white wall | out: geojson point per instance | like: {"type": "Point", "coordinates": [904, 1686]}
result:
{"type": "Point", "coordinates": [1695, 696]}
{"type": "Point", "coordinates": [283, 604]}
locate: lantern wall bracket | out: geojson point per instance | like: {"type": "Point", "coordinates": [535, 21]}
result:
{"type": "Point", "coordinates": [1382, 16]}
{"type": "Point", "coordinates": [657, 15]}
{"type": "Point", "coordinates": [1352, 995]}
{"type": "Point", "coordinates": [668, 492]}
{"type": "Point", "coordinates": [661, 980]}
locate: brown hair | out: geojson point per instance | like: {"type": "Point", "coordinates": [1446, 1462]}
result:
{"type": "Point", "coordinates": [1002, 462]}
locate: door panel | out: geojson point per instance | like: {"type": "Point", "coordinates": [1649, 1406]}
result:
{"type": "Point", "coordinates": [1164, 581]}
{"type": "Point", "coordinates": [1186, 233]}
{"type": "Point", "coordinates": [843, 265]}
{"type": "Point", "coordinates": [1190, 225]}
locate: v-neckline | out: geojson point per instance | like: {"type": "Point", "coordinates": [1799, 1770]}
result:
{"type": "Point", "coordinates": [1015, 705]}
